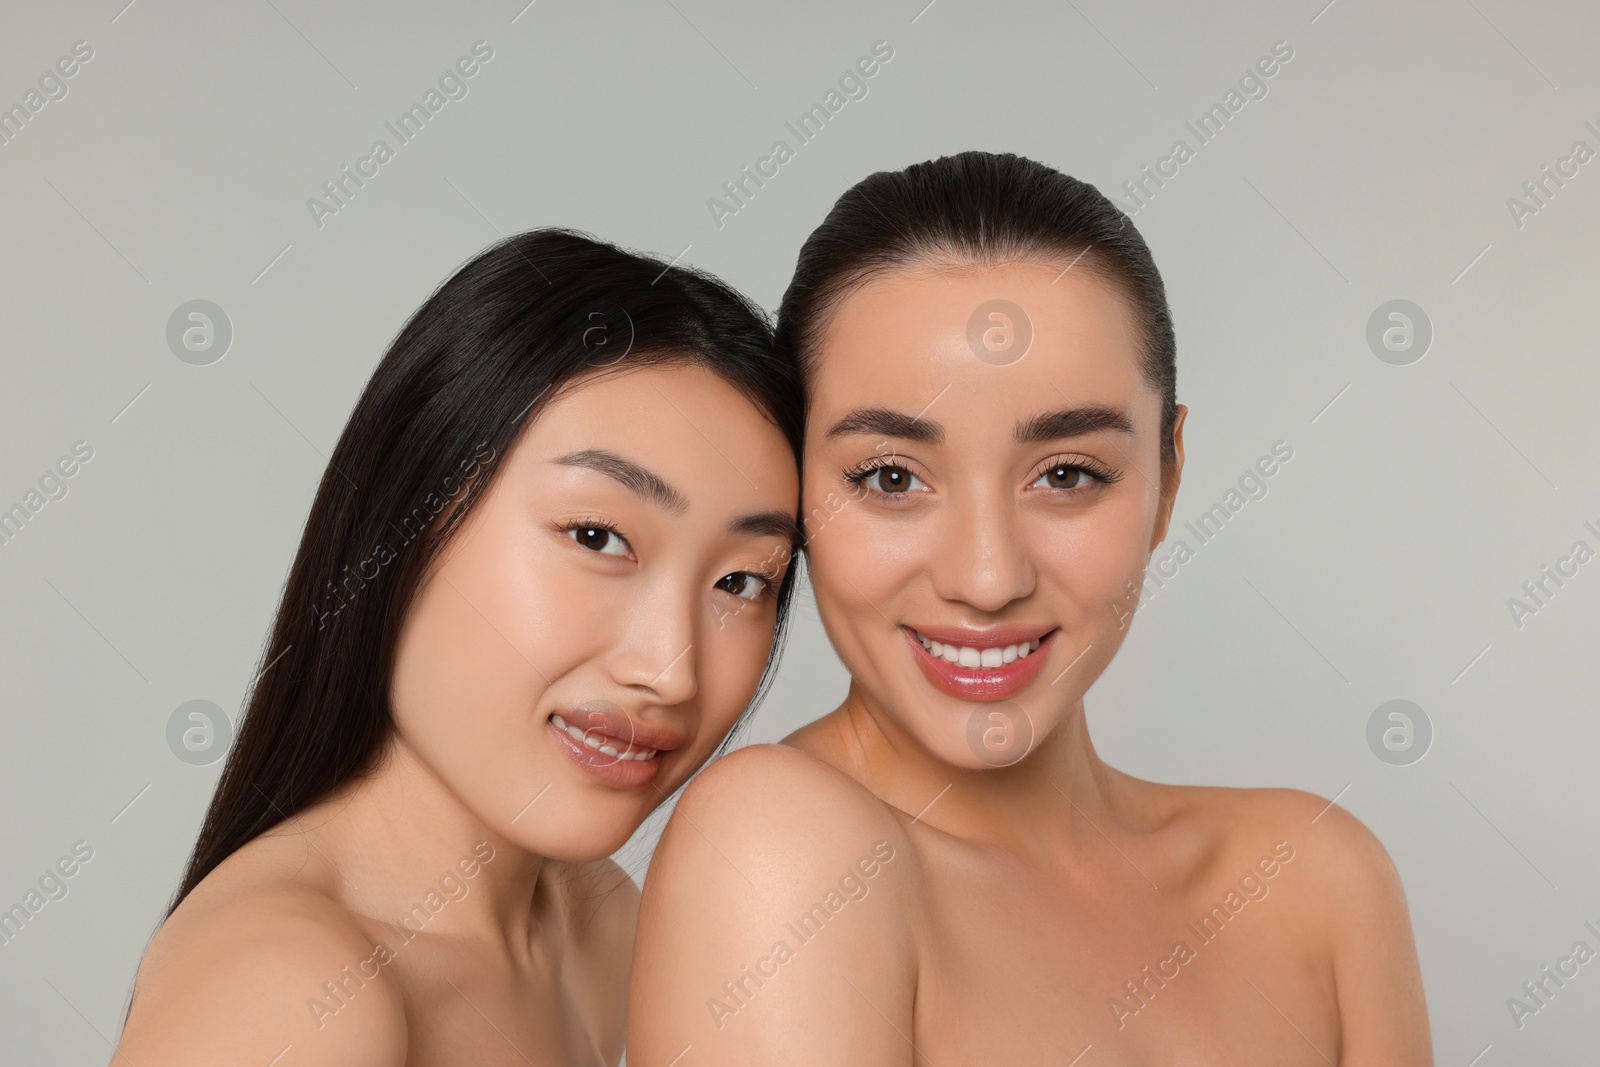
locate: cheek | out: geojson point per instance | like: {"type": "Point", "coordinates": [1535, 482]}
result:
{"type": "Point", "coordinates": [860, 555]}
{"type": "Point", "coordinates": [851, 567]}
{"type": "Point", "coordinates": [730, 670]}
{"type": "Point", "coordinates": [485, 637]}
{"type": "Point", "coordinates": [1097, 562]}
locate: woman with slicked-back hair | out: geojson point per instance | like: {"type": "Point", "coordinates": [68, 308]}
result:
{"type": "Point", "coordinates": [542, 578]}
{"type": "Point", "coordinates": [941, 870]}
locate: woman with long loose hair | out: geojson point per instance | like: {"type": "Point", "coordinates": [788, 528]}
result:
{"type": "Point", "coordinates": [543, 576]}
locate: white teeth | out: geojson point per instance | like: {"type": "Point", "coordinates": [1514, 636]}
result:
{"type": "Point", "coordinates": [601, 746]}
{"type": "Point", "coordinates": [978, 658]}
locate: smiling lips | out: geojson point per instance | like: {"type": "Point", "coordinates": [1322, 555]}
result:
{"type": "Point", "coordinates": [984, 665]}
{"type": "Point", "coordinates": [610, 745]}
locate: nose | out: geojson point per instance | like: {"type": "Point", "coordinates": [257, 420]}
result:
{"type": "Point", "coordinates": [654, 654]}
{"type": "Point", "coordinates": [980, 557]}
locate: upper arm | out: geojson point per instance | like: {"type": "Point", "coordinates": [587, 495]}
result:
{"type": "Point", "coordinates": [772, 928]}
{"type": "Point", "coordinates": [1383, 1016]}
{"type": "Point", "coordinates": [247, 981]}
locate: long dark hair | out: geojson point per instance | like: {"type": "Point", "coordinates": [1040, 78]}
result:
{"type": "Point", "coordinates": [475, 362]}
{"type": "Point", "coordinates": [984, 207]}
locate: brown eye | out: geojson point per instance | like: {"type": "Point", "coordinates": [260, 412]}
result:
{"type": "Point", "coordinates": [886, 479]}
{"type": "Point", "coordinates": [744, 585]}
{"type": "Point", "coordinates": [892, 479]}
{"type": "Point", "coordinates": [1064, 476]}
{"type": "Point", "coordinates": [599, 539]}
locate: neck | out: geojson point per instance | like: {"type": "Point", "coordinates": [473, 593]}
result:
{"type": "Point", "coordinates": [1049, 804]}
{"type": "Point", "coordinates": [405, 850]}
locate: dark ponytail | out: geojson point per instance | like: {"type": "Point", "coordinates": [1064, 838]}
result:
{"type": "Point", "coordinates": [980, 207]}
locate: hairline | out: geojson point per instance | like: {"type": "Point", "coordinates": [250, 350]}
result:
{"type": "Point", "coordinates": [933, 256]}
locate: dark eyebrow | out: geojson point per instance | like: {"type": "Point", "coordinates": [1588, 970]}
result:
{"type": "Point", "coordinates": [1051, 426]}
{"type": "Point", "coordinates": [639, 479]}
{"type": "Point", "coordinates": [769, 524]}
{"type": "Point", "coordinates": [882, 422]}
{"type": "Point", "coordinates": [1072, 422]}
{"type": "Point", "coordinates": [652, 487]}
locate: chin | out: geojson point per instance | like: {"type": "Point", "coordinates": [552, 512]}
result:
{"type": "Point", "coordinates": [982, 736]}
{"type": "Point", "coordinates": [582, 843]}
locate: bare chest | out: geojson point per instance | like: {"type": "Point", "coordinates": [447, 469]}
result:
{"type": "Point", "coordinates": [461, 1007]}
{"type": "Point", "coordinates": [1119, 972]}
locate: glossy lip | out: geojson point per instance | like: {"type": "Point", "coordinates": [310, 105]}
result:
{"type": "Point", "coordinates": [608, 770]}
{"type": "Point", "coordinates": [993, 637]}
{"type": "Point", "coordinates": [996, 683]}
{"type": "Point", "coordinates": [611, 725]}
{"type": "Point", "coordinates": [607, 721]}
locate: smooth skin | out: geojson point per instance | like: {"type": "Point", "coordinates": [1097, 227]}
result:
{"type": "Point", "coordinates": [531, 609]}
{"type": "Point", "coordinates": [1019, 903]}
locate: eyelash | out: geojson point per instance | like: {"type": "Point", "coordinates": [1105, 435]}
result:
{"type": "Point", "coordinates": [858, 474]}
{"type": "Point", "coordinates": [594, 524]}
{"type": "Point", "coordinates": [1098, 471]}
{"type": "Point", "coordinates": [770, 586]}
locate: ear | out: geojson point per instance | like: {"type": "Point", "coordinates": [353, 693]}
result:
{"type": "Point", "coordinates": [1171, 475]}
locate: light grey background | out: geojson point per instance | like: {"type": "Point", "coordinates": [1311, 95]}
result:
{"type": "Point", "coordinates": [1378, 167]}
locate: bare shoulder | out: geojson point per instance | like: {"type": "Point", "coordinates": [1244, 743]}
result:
{"type": "Point", "coordinates": [769, 855]}
{"type": "Point", "coordinates": [1339, 905]}
{"type": "Point", "coordinates": [759, 785]}
{"type": "Point", "coordinates": [1343, 872]}
{"type": "Point", "coordinates": [240, 972]}
{"type": "Point", "coordinates": [1341, 847]}
{"type": "Point", "coordinates": [782, 822]}
{"type": "Point", "coordinates": [1357, 886]}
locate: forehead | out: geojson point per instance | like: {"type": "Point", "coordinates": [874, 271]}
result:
{"type": "Point", "coordinates": [981, 341]}
{"type": "Point", "coordinates": [681, 420]}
